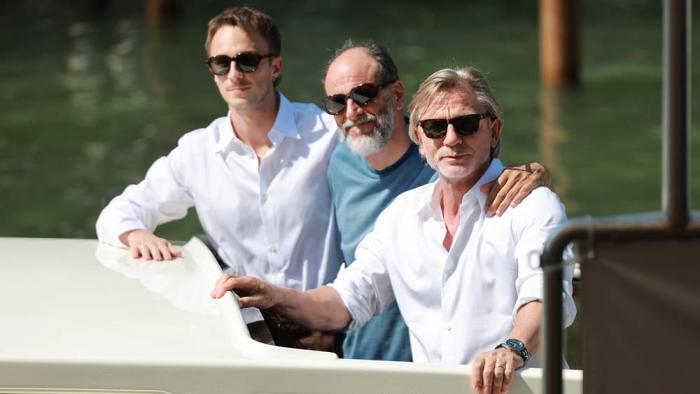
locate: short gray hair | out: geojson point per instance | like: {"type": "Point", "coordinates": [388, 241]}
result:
{"type": "Point", "coordinates": [469, 79]}
{"type": "Point", "coordinates": [387, 68]}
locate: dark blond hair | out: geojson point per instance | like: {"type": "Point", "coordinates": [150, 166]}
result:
{"type": "Point", "coordinates": [470, 79]}
{"type": "Point", "coordinates": [250, 20]}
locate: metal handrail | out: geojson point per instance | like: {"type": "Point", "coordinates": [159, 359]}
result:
{"type": "Point", "coordinates": [632, 227]}
{"type": "Point", "coordinates": [675, 223]}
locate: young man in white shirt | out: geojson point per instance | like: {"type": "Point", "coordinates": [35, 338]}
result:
{"type": "Point", "coordinates": [256, 176]}
{"type": "Point", "coordinates": [468, 284]}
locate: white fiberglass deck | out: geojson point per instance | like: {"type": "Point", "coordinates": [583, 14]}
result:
{"type": "Point", "coordinates": [79, 315]}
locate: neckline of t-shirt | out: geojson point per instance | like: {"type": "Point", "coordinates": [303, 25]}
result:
{"type": "Point", "coordinates": [412, 149]}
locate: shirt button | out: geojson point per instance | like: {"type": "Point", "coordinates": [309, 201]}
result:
{"type": "Point", "coordinates": [272, 249]}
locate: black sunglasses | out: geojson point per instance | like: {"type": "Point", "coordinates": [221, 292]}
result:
{"type": "Point", "coordinates": [246, 62]}
{"type": "Point", "coordinates": [464, 125]}
{"type": "Point", "coordinates": [360, 94]}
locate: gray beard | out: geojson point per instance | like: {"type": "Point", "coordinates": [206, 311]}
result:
{"type": "Point", "coordinates": [367, 145]}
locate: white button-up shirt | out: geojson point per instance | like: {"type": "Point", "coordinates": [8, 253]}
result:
{"type": "Point", "coordinates": [462, 302]}
{"type": "Point", "coordinates": [272, 220]}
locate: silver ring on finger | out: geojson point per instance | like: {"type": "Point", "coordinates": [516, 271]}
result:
{"type": "Point", "coordinates": [500, 366]}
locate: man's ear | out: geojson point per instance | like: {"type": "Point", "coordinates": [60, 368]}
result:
{"type": "Point", "coordinates": [277, 63]}
{"type": "Point", "coordinates": [421, 151]}
{"type": "Point", "coordinates": [399, 94]}
{"type": "Point", "coordinates": [496, 127]}
{"type": "Point", "coordinates": [419, 140]}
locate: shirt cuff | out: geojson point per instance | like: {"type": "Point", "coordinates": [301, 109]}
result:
{"type": "Point", "coordinates": [358, 310]}
{"type": "Point", "coordinates": [109, 233]}
{"type": "Point", "coordinates": [533, 290]}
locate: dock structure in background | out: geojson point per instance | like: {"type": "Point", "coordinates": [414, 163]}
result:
{"type": "Point", "coordinates": [161, 12]}
{"type": "Point", "coordinates": [638, 271]}
{"type": "Point", "coordinates": [559, 43]}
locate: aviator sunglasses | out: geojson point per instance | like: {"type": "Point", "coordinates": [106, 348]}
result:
{"type": "Point", "coordinates": [246, 62]}
{"type": "Point", "coordinates": [464, 125]}
{"type": "Point", "coordinates": [360, 94]}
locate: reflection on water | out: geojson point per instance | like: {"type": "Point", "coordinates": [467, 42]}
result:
{"type": "Point", "coordinates": [122, 63]}
{"type": "Point", "coordinates": [551, 138]}
{"type": "Point", "coordinates": [89, 100]}
{"type": "Point", "coordinates": [100, 79]}
{"type": "Point", "coordinates": [82, 85]}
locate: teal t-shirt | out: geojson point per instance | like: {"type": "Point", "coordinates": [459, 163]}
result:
{"type": "Point", "coordinates": [360, 194]}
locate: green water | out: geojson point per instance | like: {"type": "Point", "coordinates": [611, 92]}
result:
{"type": "Point", "coordinates": [89, 98]}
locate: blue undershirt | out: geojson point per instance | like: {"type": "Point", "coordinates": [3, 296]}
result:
{"type": "Point", "coordinates": [360, 193]}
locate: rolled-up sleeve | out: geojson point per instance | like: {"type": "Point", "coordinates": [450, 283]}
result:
{"type": "Point", "coordinates": [159, 198]}
{"type": "Point", "coordinates": [364, 285]}
{"type": "Point", "coordinates": [546, 215]}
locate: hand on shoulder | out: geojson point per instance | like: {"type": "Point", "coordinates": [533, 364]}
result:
{"type": "Point", "coordinates": [513, 185]}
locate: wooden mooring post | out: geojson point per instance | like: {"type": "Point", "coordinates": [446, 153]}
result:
{"type": "Point", "coordinates": [161, 12]}
{"type": "Point", "coordinates": [559, 43]}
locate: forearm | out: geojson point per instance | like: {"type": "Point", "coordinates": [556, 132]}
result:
{"type": "Point", "coordinates": [125, 213]}
{"type": "Point", "coordinates": [113, 225]}
{"type": "Point", "coordinates": [159, 198]}
{"type": "Point", "coordinates": [494, 369]}
{"type": "Point", "coordinates": [124, 237]}
{"type": "Point", "coordinates": [319, 309]}
{"type": "Point", "coordinates": [527, 325]}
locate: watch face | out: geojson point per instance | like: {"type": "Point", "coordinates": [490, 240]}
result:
{"type": "Point", "coordinates": [518, 347]}
{"type": "Point", "coordinates": [515, 344]}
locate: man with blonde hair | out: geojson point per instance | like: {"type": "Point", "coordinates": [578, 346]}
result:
{"type": "Point", "coordinates": [468, 284]}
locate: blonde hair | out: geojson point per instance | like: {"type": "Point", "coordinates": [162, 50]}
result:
{"type": "Point", "coordinates": [470, 79]}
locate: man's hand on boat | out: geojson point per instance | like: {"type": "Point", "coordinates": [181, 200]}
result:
{"type": "Point", "coordinates": [492, 371]}
{"type": "Point", "coordinates": [144, 244]}
{"type": "Point", "coordinates": [313, 319]}
{"type": "Point", "coordinates": [319, 309]}
{"type": "Point", "coordinates": [252, 292]}
{"type": "Point", "coordinates": [513, 185]}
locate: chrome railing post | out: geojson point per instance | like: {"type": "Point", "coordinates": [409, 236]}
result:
{"type": "Point", "coordinates": [676, 112]}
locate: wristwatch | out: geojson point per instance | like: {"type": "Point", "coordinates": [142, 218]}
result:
{"type": "Point", "coordinates": [518, 347]}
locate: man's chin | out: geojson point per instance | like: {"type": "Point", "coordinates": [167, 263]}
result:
{"type": "Point", "coordinates": [364, 130]}
{"type": "Point", "coordinates": [236, 100]}
{"type": "Point", "coordinates": [363, 145]}
{"type": "Point", "coordinates": [453, 173]}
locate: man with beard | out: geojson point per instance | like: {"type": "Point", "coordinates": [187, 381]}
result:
{"type": "Point", "coordinates": [468, 284]}
{"type": "Point", "coordinates": [376, 163]}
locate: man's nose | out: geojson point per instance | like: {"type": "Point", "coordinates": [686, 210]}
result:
{"type": "Point", "coordinates": [451, 137]}
{"type": "Point", "coordinates": [352, 109]}
{"type": "Point", "coordinates": [233, 71]}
